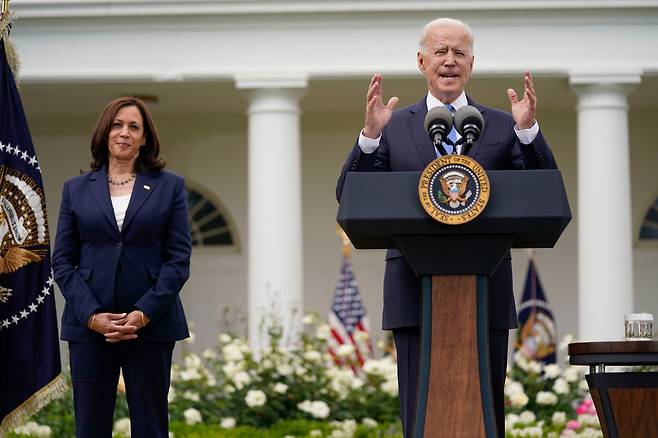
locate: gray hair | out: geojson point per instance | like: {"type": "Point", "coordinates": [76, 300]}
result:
{"type": "Point", "coordinates": [444, 22]}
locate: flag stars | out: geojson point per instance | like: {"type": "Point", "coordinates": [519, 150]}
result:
{"type": "Point", "coordinates": [50, 282]}
{"type": "Point", "coordinates": [24, 156]}
{"type": "Point", "coordinates": [40, 299]}
{"type": "Point", "coordinates": [33, 160]}
{"type": "Point", "coordinates": [5, 323]}
{"type": "Point", "coordinates": [15, 319]}
{"type": "Point", "coordinates": [33, 307]}
{"type": "Point", "coordinates": [45, 291]}
{"type": "Point", "coordinates": [17, 151]}
{"type": "Point", "coordinates": [24, 313]}
{"type": "Point", "coordinates": [2, 148]}
{"type": "Point", "coordinates": [9, 149]}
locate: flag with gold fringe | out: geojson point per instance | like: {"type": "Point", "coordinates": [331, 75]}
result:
{"type": "Point", "coordinates": [30, 368]}
{"type": "Point", "coordinates": [537, 336]}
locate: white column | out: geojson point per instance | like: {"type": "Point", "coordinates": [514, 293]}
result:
{"type": "Point", "coordinates": [275, 264]}
{"type": "Point", "coordinates": [605, 243]}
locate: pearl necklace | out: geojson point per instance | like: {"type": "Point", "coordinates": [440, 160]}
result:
{"type": "Point", "coordinates": [120, 183]}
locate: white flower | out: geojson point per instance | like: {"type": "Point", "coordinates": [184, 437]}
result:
{"type": "Point", "coordinates": [317, 409]}
{"type": "Point", "coordinates": [122, 426]}
{"type": "Point", "coordinates": [583, 385]}
{"type": "Point", "coordinates": [315, 432]}
{"type": "Point", "coordinates": [284, 369]}
{"type": "Point", "coordinates": [280, 388]}
{"type": "Point", "coordinates": [209, 354]}
{"type": "Point", "coordinates": [534, 431]}
{"type": "Point", "coordinates": [231, 369]}
{"type": "Point", "coordinates": [534, 367]}
{"type": "Point", "coordinates": [361, 336]}
{"type": "Point", "coordinates": [559, 418]}
{"type": "Point", "coordinates": [32, 428]}
{"type": "Point", "coordinates": [561, 386]}
{"type": "Point", "coordinates": [588, 420]}
{"type": "Point", "coordinates": [241, 378]}
{"type": "Point", "coordinates": [344, 350]}
{"type": "Point", "coordinates": [171, 435]}
{"type": "Point", "coordinates": [192, 416]}
{"type": "Point", "coordinates": [191, 338]}
{"type": "Point", "coordinates": [369, 423]}
{"type": "Point", "coordinates": [571, 374]}
{"type": "Point", "coordinates": [519, 400]}
{"type": "Point", "coordinates": [551, 371]}
{"type": "Point", "coordinates": [546, 398]}
{"type": "Point", "coordinates": [232, 352]}
{"type": "Point", "coordinates": [255, 397]}
{"type": "Point", "coordinates": [309, 319]}
{"type": "Point", "coordinates": [189, 374]}
{"type": "Point", "coordinates": [224, 338]}
{"type": "Point", "coordinates": [564, 344]}
{"type": "Point", "coordinates": [510, 421]}
{"type": "Point", "coordinates": [191, 395]}
{"type": "Point", "coordinates": [349, 426]}
{"type": "Point", "coordinates": [323, 332]}
{"type": "Point", "coordinates": [390, 387]}
{"type": "Point", "coordinates": [227, 423]}
{"type": "Point", "coordinates": [512, 388]}
{"type": "Point", "coordinates": [192, 361]}
{"type": "Point", "coordinates": [313, 356]}
{"type": "Point", "coordinates": [527, 417]}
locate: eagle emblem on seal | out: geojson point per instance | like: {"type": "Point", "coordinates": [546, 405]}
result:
{"type": "Point", "coordinates": [453, 186]}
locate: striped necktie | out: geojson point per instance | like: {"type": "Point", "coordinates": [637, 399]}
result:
{"type": "Point", "coordinates": [452, 135]}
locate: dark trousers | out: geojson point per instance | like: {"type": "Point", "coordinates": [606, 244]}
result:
{"type": "Point", "coordinates": [95, 373]}
{"type": "Point", "coordinates": [407, 344]}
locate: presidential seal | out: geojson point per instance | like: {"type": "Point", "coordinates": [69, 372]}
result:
{"type": "Point", "coordinates": [454, 189]}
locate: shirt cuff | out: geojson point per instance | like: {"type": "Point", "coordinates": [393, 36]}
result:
{"type": "Point", "coordinates": [368, 145]}
{"type": "Point", "coordinates": [526, 136]}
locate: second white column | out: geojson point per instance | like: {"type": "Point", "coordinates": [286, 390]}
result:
{"type": "Point", "coordinates": [275, 264]}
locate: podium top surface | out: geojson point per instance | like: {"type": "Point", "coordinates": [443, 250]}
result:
{"type": "Point", "coordinates": [377, 209]}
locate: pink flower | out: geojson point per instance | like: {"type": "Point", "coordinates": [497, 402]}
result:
{"type": "Point", "coordinates": [573, 425]}
{"type": "Point", "coordinates": [586, 407]}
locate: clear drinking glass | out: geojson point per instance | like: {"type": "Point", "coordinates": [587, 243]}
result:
{"type": "Point", "coordinates": [638, 327]}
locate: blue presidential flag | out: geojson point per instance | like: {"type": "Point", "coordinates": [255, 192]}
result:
{"type": "Point", "coordinates": [30, 369]}
{"type": "Point", "coordinates": [537, 335]}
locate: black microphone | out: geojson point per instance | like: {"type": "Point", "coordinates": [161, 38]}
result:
{"type": "Point", "coordinates": [438, 124]}
{"type": "Point", "coordinates": [469, 124]}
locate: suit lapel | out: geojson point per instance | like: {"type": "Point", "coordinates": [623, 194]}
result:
{"type": "Point", "coordinates": [422, 142]}
{"type": "Point", "coordinates": [476, 145]}
{"type": "Point", "coordinates": [144, 186]}
{"type": "Point", "coordinates": [101, 192]}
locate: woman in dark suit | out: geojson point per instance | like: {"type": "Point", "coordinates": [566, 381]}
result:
{"type": "Point", "coordinates": [121, 257]}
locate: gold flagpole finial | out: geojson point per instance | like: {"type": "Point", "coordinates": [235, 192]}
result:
{"type": "Point", "coordinates": [5, 7]}
{"type": "Point", "coordinates": [347, 245]}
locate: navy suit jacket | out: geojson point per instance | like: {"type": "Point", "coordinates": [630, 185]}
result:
{"type": "Point", "coordinates": [100, 268]}
{"type": "Point", "coordinates": [405, 146]}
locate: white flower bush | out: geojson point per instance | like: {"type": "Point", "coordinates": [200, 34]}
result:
{"type": "Point", "coordinates": [548, 401]}
{"type": "Point", "coordinates": [231, 385]}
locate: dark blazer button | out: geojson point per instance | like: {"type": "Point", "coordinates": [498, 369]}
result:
{"type": "Point", "coordinates": [119, 244]}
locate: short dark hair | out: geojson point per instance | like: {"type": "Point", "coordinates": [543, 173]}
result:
{"type": "Point", "coordinates": [148, 159]}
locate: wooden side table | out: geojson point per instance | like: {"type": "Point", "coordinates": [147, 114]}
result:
{"type": "Point", "coordinates": [626, 402]}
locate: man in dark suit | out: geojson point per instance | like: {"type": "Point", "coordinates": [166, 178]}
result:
{"type": "Point", "coordinates": [397, 141]}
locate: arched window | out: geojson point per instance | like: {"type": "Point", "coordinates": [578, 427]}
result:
{"type": "Point", "coordinates": [649, 229]}
{"type": "Point", "coordinates": [210, 223]}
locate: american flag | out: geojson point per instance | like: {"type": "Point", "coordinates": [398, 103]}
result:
{"type": "Point", "coordinates": [348, 320]}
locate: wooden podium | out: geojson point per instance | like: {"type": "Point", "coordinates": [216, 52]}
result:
{"type": "Point", "coordinates": [626, 402]}
{"type": "Point", "coordinates": [527, 209]}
